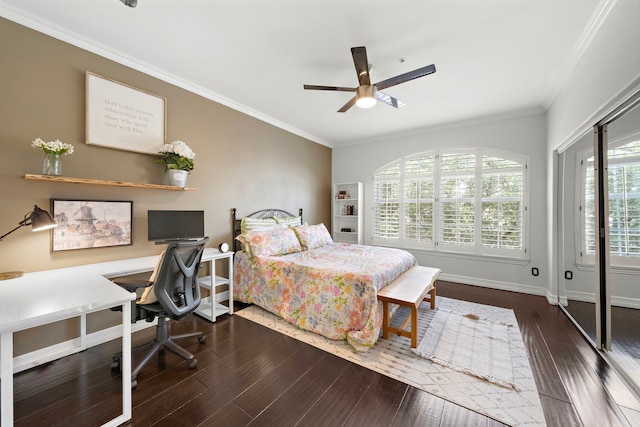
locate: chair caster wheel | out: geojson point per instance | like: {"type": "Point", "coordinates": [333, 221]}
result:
{"type": "Point", "coordinates": [134, 383]}
{"type": "Point", "coordinates": [201, 339]}
{"type": "Point", "coordinates": [115, 364]}
{"type": "Point", "coordinates": [193, 363]}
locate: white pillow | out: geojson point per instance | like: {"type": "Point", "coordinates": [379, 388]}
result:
{"type": "Point", "coordinates": [313, 236]}
{"type": "Point", "coordinates": [275, 241]}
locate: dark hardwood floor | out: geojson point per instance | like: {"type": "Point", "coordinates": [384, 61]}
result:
{"type": "Point", "coordinates": [251, 375]}
{"type": "Point", "coordinates": [625, 333]}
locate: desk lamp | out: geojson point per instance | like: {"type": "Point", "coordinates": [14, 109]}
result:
{"type": "Point", "coordinates": [39, 220]}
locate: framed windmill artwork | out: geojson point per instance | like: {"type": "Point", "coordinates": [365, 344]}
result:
{"type": "Point", "coordinates": [84, 224]}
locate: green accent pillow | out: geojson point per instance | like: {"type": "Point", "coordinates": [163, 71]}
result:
{"type": "Point", "coordinates": [292, 221]}
{"type": "Point", "coordinates": [250, 224]}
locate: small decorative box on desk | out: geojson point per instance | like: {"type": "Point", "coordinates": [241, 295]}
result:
{"type": "Point", "coordinates": [211, 307]}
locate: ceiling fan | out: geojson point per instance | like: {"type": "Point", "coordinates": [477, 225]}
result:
{"type": "Point", "coordinates": [366, 93]}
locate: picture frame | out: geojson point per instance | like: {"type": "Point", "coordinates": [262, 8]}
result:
{"type": "Point", "coordinates": [123, 117]}
{"type": "Point", "coordinates": [87, 224]}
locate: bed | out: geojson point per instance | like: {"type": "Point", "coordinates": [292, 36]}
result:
{"type": "Point", "coordinates": [297, 272]}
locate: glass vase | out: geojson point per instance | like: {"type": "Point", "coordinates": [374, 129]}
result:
{"type": "Point", "coordinates": [52, 164]}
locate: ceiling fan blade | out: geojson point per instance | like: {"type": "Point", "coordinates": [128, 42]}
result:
{"type": "Point", "coordinates": [388, 99]}
{"type": "Point", "coordinates": [348, 105]}
{"type": "Point", "coordinates": [362, 65]}
{"type": "Point", "coordinates": [420, 72]}
{"type": "Point", "coordinates": [343, 89]}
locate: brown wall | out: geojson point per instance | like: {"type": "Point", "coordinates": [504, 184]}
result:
{"type": "Point", "coordinates": [241, 162]}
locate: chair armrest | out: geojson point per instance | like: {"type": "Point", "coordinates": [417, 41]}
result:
{"type": "Point", "coordinates": [131, 285]}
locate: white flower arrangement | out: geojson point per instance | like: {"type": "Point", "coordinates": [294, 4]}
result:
{"type": "Point", "coordinates": [53, 147]}
{"type": "Point", "coordinates": [177, 155]}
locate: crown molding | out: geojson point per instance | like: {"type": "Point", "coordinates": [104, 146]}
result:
{"type": "Point", "coordinates": [92, 46]}
{"type": "Point", "coordinates": [604, 9]}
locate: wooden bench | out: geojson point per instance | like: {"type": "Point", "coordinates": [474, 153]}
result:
{"type": "Point", "coordinates": [410, 288]}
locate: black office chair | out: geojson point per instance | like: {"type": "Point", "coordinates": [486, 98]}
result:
{"type": "Point", "coordinates": [171, 293]}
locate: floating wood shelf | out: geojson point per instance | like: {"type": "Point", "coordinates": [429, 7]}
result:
{"type": "Point", "coordinates": [70, 180]}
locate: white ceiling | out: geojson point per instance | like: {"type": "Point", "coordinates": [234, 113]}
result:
{"type": "Point", "coordinates": [493, 57]}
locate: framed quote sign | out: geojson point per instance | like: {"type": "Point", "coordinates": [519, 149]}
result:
{"type": "Point", "coordinates": [122, 117]}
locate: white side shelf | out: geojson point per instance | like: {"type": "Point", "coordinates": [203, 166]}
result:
{"type": "Point", "coordinates": [347, 213]}
{"type": "Point", "coordinates": [210, 307]}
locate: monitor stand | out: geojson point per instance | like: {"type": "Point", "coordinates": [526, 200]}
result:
{"type": "Point", "coordinates": [166, 242]}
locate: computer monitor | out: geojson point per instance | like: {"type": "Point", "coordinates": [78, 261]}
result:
{"type": "Point", "coordinates": [164, 225]}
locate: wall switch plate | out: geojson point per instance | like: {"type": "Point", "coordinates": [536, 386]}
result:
{"type": "Point", "coordinates": [535, 271]}
{"type": "Point", "coordinates": [568, 275]}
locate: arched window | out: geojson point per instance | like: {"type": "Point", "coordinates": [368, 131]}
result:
{"type": "Point", "coordinates": [456, 200]}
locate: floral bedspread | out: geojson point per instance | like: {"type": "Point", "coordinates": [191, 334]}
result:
{"type": "Point", "coordinates": [330, 290]}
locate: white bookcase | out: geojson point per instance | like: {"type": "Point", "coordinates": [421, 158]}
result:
{"type": "Point", "coordinates": [211, 307]}
{"type": "Point", "coordinates": [347, 213]}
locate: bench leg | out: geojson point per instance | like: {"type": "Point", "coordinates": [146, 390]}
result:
{"type": "Point", "coordinates": [433, 296]}
{"type": "Point", "coordinates": [414, 326]}
{"type": "Point", "coordinates": [385, 320]}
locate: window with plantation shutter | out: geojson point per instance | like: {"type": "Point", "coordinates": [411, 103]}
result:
{"type": "Point", "coordinates": [502, 205]}
{"type": "Point", "coordinates": [624, 205]}
{"type": "Point", "coordinates": [456, 200]}
{"type": "Point", "coordinates": [418, 201]}
{"type": "Point", "coordinates": [386, 207]}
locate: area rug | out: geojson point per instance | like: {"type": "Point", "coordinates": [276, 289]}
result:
{"type": "Point", "coordinates": [394, 358]}
{"type": "Point", "coordinates": [470, 344]}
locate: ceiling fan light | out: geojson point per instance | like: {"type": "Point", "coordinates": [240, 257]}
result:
{"type": "Point", "coordinates": [366, 96]}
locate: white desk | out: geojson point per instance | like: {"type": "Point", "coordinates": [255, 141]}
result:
{"type": "Point", "coordinates": [49, 296]}
{"type": "Point", "coordinates": [209, 308]}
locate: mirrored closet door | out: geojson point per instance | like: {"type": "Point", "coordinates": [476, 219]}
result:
{"type": "Point", "coordinates": [599, 287]}
{"type": "Point", "coordinates": [623, 179]}
{"type": "Point", "coordinates": [577, 282]}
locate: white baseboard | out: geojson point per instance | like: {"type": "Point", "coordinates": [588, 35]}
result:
{"type": "Point", "coordinates": [504, 286]}
{"type": "Point", "coordinates": [554, 299]}
{"type": "Point", "coordinates": [624, 302]}
{"type": "Point", "coordinates": [115, 332]}
{"type": "Point", "coordinates": [222, 296]}
{"type": "Point", "coordinates": [581, 296]}
{"type": "Point", "coordinates": [617, 301]}
{"type": "Point", "coordinates": [66, 348]}
{"type": "Point", "coordinates": [45, 355]}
